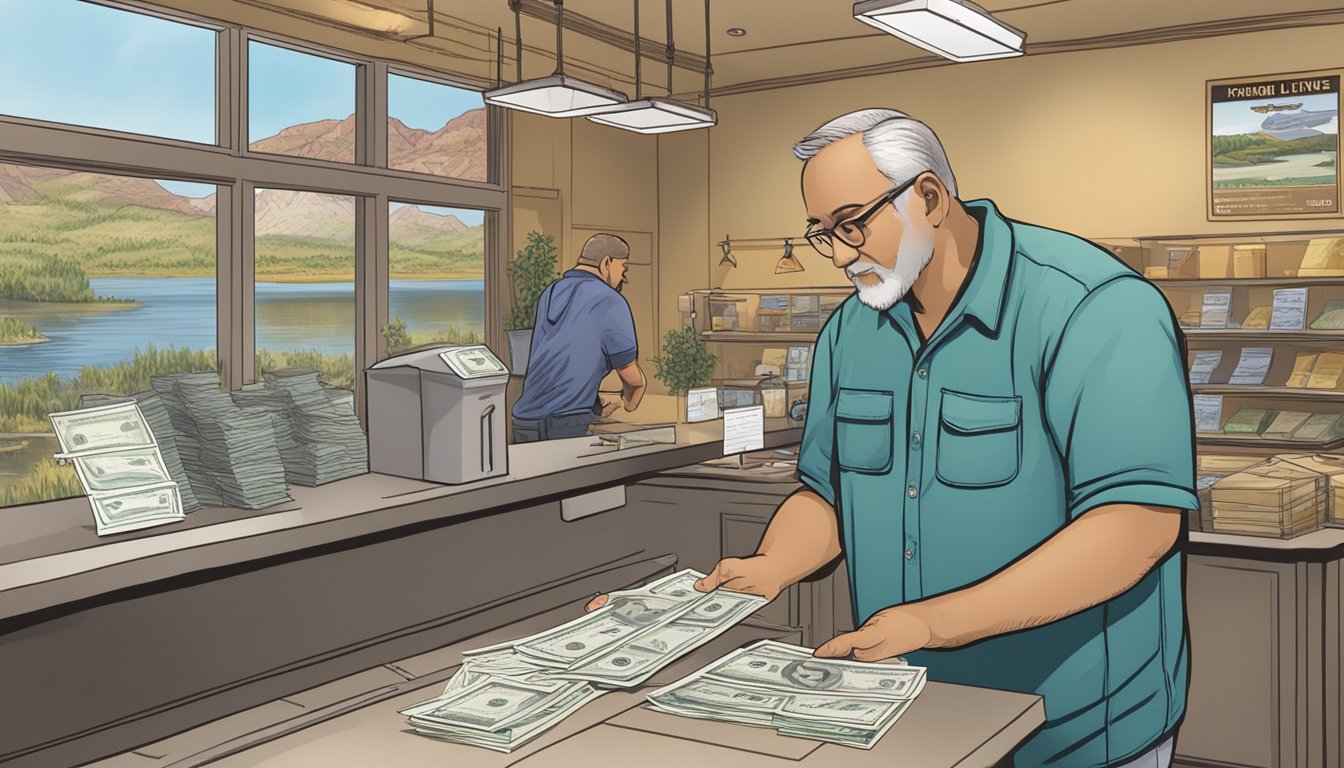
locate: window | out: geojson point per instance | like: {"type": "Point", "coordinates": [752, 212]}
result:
{"type": "Point", "coordinates": [87, 64]}
{"type": "Point", "coordinates": [305, 283]}
{"type": "Point", "coordinates": [300, 104]}
{"type": "Point", "coordinates": [436, 266]}
{"type": "Point", "coordinates": [105, 281]}
{"type": "Point", "coordinates": [435, 128]}
{"type": "Point", "coordinates": [110, 278]}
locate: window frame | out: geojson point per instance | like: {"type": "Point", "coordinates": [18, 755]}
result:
{"type": "Point", "coordinates": [238, 172]}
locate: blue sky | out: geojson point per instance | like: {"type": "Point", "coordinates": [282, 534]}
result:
{"type": "Point", "coordinates": [131, 72]}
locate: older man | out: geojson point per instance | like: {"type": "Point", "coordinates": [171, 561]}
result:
{"type": "Point", "coordinates": [583, 331]}
{"type": "Point", "coordinates": [1000, 444]}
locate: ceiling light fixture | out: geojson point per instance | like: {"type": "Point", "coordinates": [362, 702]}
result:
{"type": "Point", "coordinates": [558, 94]}
{"type": "Point", "coordinates": [788, 262]}
{"type": "Point", "coordinates": [954, 29]}
{"type": "Point", "coordinates": [656, 114]}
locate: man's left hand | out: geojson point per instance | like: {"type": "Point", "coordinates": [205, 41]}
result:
{"type": "Point", "coordinates": [610, 404]}
{"type": "Point", "coordinates": [892, 632]}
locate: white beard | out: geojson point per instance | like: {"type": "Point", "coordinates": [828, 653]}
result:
{"type": "Point", "coordinates": [912, 256]}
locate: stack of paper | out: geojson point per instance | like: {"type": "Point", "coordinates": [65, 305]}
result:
{"type": "Point", "coordinates": [1333, 468]}
{"type": "Point", "coordinates": [1320, 428]}
{"type": "Point", "coordinates": [119, 466]}
{"type": "Point", "coordinates": [1252, 366]}
{"type": "Point", "coordinates": [1215, 311]}
{"type": "Point", "coordinates": [1203, 365]}
{"type": "Point", "coordinates": [1211, 469]}
{"type": "Point", "coordinates": [1328, 372]}
{"type": "Point", "coordinates": [1324, 258]}
{"type": "Point", "coordinates": [1257, 318]}
{"type": "Point", "coordinates": [1249, 421]}
{"type": "Point", "coordinates": [1331, 317]}
{"type": "Point", "coordinates": [784, 687]}
{"type": "Point", "coordinates": [1302, 367]}
{"type": "Point", "coordinates": [1276, 498]}
{"type": "Point", "coordinates": [1285, 424]}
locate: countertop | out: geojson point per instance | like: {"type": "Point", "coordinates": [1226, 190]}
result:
{"type": "Point", "coordinates": [50, 554]}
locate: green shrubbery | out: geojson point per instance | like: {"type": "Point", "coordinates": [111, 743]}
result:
{"type": "Point", "coordinates": [15, 331]}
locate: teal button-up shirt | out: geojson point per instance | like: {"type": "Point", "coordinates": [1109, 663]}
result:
{"type": "Point", "coordinates": [1056, 384]}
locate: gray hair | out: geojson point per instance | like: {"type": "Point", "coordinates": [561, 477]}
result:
{"type": "Point", "coordinates": [600, 246]}
{"type": "Point", "coordinates": [900, 145]}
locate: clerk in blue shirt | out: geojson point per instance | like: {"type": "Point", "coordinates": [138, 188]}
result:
{"type": "Point", "coordinates": [999, 442]}
{"type": "Point", "coordinates": [583, 330]}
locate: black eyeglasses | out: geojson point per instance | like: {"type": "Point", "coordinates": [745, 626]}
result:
{"type": "Point", "coordinates": [853, 231]}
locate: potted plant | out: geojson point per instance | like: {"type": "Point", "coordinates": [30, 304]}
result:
{"type": "Point", "coordinates": [531, 270]}
{"type": "Point", "coordinates": [684, 365]}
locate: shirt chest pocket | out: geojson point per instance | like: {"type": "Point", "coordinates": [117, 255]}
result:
{"type": "Point", "coordinates": [863, 430]}
{"type": "Point", "coordinates": [979, 440]}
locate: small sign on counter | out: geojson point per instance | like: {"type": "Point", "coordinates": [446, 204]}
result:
{"type": "Point", "coordinates": [743, 430]}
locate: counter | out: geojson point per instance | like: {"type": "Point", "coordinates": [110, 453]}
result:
{"type": "Point", "coordinates": [356, 724]}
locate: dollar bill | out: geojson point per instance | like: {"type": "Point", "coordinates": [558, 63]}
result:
{"type": "Point", "coordinates": [785, 687]}
{"type": "Point", "coordinates": [104, 428]}
{"type": "Point", "coordinates": [120, 511]}
{"type": "Point", "coordinates": [119, 470]}
{"type": "Point", "coordinates": [523, 730]}
{"type": "Point", "coordinates": [491, 704]}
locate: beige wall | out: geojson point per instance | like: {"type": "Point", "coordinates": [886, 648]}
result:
{"type": "Point", "coordinates": [1105, 143]}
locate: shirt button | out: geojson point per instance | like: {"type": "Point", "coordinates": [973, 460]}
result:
{"type": "Point", "coordinates": [909, 554]}
{"type": "Point", "coordinates": [915, 438]}
{"type": "Point", "coordinates": [912, 491]}
{"type": "Point", "coordinates": [923, 373]}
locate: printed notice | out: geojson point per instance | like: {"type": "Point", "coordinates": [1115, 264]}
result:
{"type": "Point", "coordinates": [1201, 370]}
{"type": "Point", "coordinates": [1253, 366]}
{"type": "Point", "coordinates": [1290, 310]}
{"type": "Point", "coordinates": [1216, 305]}
{"type": "Point", "coordinates": [702, 404]}
{"type": "Point", "coordinates": [1208, 413]}
{"type": "Point", "coordinates": [743, 430]}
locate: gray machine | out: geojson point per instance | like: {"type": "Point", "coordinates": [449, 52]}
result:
{"type": "Point", "coordinates": [437, 414]}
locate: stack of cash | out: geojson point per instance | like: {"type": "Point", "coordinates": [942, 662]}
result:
{"type": "Point", "coordinates": [327, 442]}
{"type": "Point", "coordinates": [784, 687]}
{"type": "Point", "coordinates": [228, 449]}
{"type": "Point", "coordinates": [508, 693]}
{"type": "Point", "coordinates": [1275, 498]}
{"type": "Point", "coordinates": [161, 424]}
{"type": "Point", "coordinates": [119, 466]}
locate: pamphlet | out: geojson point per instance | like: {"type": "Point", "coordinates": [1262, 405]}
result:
{"type": "Point", "coordinates": [1290, 310]}
{"type": "Point", "coordinates": [1216, 306]}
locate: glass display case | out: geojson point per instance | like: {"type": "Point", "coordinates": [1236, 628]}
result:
{"type": "Point", "coordinates": [1263, 318]}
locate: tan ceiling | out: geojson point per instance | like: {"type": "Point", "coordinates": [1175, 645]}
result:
{"type": "Point", "coordinates": [785, 39]}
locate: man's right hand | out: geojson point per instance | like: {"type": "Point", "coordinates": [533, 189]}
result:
{"type": "Point", "coordinates": [754, 575]}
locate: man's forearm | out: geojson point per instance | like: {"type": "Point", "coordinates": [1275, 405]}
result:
{"type": "Point", "coordinates": [801, 538]}
{"type": "Point", "coordinates": [1098, 556]}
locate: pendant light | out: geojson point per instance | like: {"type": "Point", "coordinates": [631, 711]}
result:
{"type": "Point", "coordinates": [656, 114]}
{"type": "Point", "coordinates": [788, 262]}
{"type": "Point", "coordinates": [558, 94]}
{"type": "Point", "coordinates": [954, 29]}
{"type": "Point", "coordinates": [728, 260]}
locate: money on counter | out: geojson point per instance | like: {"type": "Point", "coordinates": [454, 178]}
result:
{"type": "Point", "coordinates": [120, 467]}
{"type": "Point", "coordinates": [785, 687]}
{"type": "Point", "coordinates": [508, 693]}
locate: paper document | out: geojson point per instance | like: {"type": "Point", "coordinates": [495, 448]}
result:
{"type": "Point", "coordinates": [702, 404]}
{"type": "Point", "coordinates": [743, 430]}
{"type": "Point", "coordinates": [1216, 306]}
{"type": "Point", "coordinates": [1290, 310]}
{"type": "Point", "coordinates": [1253, 366]}
{"type": "Point", "coordinates": [1201, 370]}
{"type": "Point", "coordinates": [1208, 413]}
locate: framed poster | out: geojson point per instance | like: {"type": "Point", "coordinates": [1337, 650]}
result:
{"type": "Point", "coordinates": [1273, 146]}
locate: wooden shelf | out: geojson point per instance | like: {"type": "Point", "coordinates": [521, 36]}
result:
{"type": "Point", "coordinates": [1237, 334]}
{"type": "Point", "coordinates": [1255, 441]}
{"type": "Point", "coordinates": [762, 337]}
{"type": "Point", "coordinates": [1282, 393]}
{"type": "Point", "coordinates": [1281, 282]}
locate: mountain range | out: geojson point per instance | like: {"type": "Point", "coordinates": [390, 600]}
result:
{"type": "Point", "coordinates": [457, 149]}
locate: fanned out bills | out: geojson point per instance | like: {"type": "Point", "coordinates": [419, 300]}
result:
{"type": "Point", "coordinates": [119, 464]}
{"type": "Point", "coordinates": [785, 687]}
{"type": "Point", "coordinates": [506, 694]}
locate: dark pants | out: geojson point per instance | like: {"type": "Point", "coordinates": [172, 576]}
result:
{"type": "Point", "coordinates": [553, 427]}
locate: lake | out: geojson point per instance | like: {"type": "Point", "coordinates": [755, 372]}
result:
{"type": "Point", "coordinates": [180, 311]}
